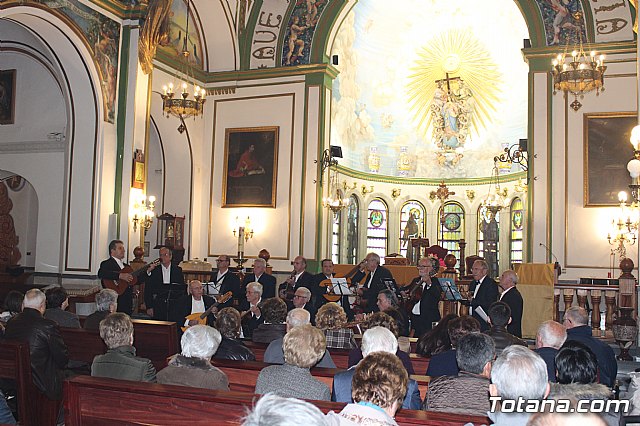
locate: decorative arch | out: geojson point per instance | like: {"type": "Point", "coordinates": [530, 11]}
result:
{"type": "Point", "coordinates": [413, 224]}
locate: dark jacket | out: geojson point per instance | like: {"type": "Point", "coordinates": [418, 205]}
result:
{"type": "Point", "coordinates": [355, 355]}
{"type": "Point", "coordinates": [193, 372]}
{"type": "Point", "coordinates": [443, 364]}
{"type": "Point", "coordinates": [155, 287]}
{"type": "Point", "coordinates": [266, 333]}
{"type": "Point", "coordinates": [181, 309]}
{"type": "Point", "coordinates": [487, 294]}
{"type": "Point", "coordinates": [513, 298]}
{"type": "Point", "coordinates": [549, 357]}
{"type": "Point", "coordinates": [466, 394]}
{"type": "Point", "coordinates": [429, 307]}
{"type": "Point", "coordinates": [92, 322]}
{"type": "Point", "coordinates": [268, 286]}
{"type": "Point", "coordinates": [589, 392]}
{"type": "Point", "coordinates": [110, 270]}
{"type": "Point", "coordinates": [122, 363]}
{"type": "Point", "coordinates": [228, 282]}
{"type": "Point", "coordinates": [234, 349]}
{"type": "Point", "coordinates": [47, 350]}
{"type": "Point", "coordinates": [341, 391]}
{"type": "Point", "coordinates": [607, 365]}
{"type": "Point", "coordinates": [62, 318]}
{"type": "Point", "coordinates": [502, 338]}
{"type": "Point", "coordinates": [370, 292]}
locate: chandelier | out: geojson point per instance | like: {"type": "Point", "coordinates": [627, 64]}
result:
{"type": "Point", "coordinates": [495, 199]}
{"type": "Point", "coordinates": [579, 73]}
{"type": "Point", "coordinates": [181, 106]}
{"type": "Point", "coordinates": [624, 226]}
{"type": "Point", "coordinates": [143, 213]}
{"type": "Point", "coordinates": [335, 199]}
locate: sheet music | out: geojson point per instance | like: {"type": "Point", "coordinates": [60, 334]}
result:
{"type": "Point", "coordinates": [482, 314]}
{"type": "Point", "coordinates": [340, 286]}
{"type": "Point", "coordinates": [212, 288]}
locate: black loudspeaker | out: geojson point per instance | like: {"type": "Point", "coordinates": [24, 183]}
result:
{"type": "Point", "coordinates": [334, 59]}
{"type": "Point", "coordinates": [527, 43]}
{"type": "Point", "coordinates": [522, 144]}
{"type": "Point", "coordinates": [336, 151]}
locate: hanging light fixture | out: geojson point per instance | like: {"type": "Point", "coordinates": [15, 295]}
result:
{"type": "Point", "coordinates": [624, 226]}
{"type": "Point", "coordinates": [579, 73]}
{"type": "Point", "coordinates": [181, 106]}
{"type": "Point", "coordinates": [495, 199]}
{"type": "Point", "coordinates": [335, 199]}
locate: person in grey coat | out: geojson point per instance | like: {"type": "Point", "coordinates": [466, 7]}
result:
{"type": "Point", "coordinates": [120, 361]}
{"type": "Point", "coordinates": [303, 347]}
{"type": "Point", "coordinates": [57, 302]}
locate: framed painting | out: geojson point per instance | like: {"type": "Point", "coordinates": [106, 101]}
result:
{"type": "Point", "coordinates": [607, 151]}
{"type": "Point", "coordinates": [138, 173]}
{"type": "Point", "coordinates": [250, 167]}
{"type": "Point", "coordinates": [7, 96]}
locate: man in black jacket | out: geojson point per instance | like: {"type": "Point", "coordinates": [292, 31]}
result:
{"type": "Point", "coordinates": [512, 297]}
{"type": "Point", "coordinates": [110, 270]}
{"type": "Point", "coordinates": [159, 279]}
{"type": "Point", "coordinates": [259, 275]}
{"type": "Point", "coordinates": [484, 290]}
{"type": "Point", "coordinates": [375, 280]}
{"type": "Point", "coordinates": [226, 281]}
{"type": "Point", "coordinates": [48, 352]}
{"type": "Point", "coordinates": [192, 303]}
{"type": "Point", "coordinates": [299, 278]}
{"type": "Point", "coordinates": [499, 317]}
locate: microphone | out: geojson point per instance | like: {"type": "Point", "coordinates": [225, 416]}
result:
{"type": "Point", "coordinates": [556, 264]}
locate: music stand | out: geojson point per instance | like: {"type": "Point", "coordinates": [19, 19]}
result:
{"type": "Point", "coordinates": [341, 287]}
{"type": "Point", "coordinates": [173, 291]}
{"type": "Point", "coordinates": [450, 289]}
{"type": "Point", "coordinates": [391, 285]}
{"type": "Point", "coordinates": [212, 288]}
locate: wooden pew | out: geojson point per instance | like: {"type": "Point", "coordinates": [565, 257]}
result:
{"type": "Point", "coordinates": [100, 402]}
{"type": "Point", "coordinates": [15, 365]}
{"type": "Point", "coordinates": [155, 340]}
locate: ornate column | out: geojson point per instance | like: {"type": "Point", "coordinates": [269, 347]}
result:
{"type": "Point", "coordinates": [596, 297]}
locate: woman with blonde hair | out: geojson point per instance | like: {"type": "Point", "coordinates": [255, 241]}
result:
{"type": "Point", "coordinates": [331, 319]}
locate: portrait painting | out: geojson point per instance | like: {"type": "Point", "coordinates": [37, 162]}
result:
{"type": "Point", "coordinates": [607, 151]}
{"type": "Point", "coordinates": [7, 96]}
{"type": "Point", "coordinates": [250, 165]}
{"type": "Point", "coordinates": [138, 172]}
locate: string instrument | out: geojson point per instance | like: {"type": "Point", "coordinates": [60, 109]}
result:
{"type": "Point", "coordinates": [332, 296]}
{"type": "Point", "coordinates": [412, 293]}
{"type": "Point", "coordinates": [202, 317]}
{"type": "Point", "coordinates": [286, 290]}
{"type": "Point", "coordinates": [120, 286]}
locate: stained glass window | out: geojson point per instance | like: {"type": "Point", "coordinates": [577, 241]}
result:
{"type": "Point", "coordinates": [412, 224]}
{"type": "Point", "coordinates": [489, 240]}
{"type": "Point", "coordinates": [517, 228]}
{"type": "Point", "coordinates": [377, 228]}
{"type": "Point", "coordinates": [351, 252]}
{"type": "Point", "coordinates": [336, 227]}
{"type": "Point", "coordinates": [451, 228]}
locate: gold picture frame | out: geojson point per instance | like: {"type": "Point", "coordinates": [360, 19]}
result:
{"type": "Point", "coordinates": [250, 167]}
{"type": "Point", "coordinates": [138, 173]}
{"type": "Point", "coordinates": [607, 151]}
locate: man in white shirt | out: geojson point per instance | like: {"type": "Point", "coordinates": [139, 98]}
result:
{"type": "Point", "coordinates": [158, 279]}
{"type": "Point", "coordinates": [225, 281]}
{"type": "Point", "coordinates": [512, 297]}
{"type": "Point", "coordinates": [192, 303]}
{"type": "Point", "coordinates": [251, 315]}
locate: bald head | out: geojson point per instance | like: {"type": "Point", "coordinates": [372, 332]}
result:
{"type": "Point", "coordinates": [296, 317]}
{"type": "Point", "coordinates": [35, 299]}
{"type": "Point", "coordinates": [575, 316]}
{"type": "Point", "coordinates": [551, 334]}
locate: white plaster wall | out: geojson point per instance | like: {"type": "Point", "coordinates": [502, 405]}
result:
{"type": "Point", "coordinates": [25, 221]}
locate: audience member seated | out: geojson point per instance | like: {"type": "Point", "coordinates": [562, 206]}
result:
{"type": "Point", "coordinates": [303, 347]}
{"type": "Point", "coordinates": [120, 361]}
{"type": "Point", "coordinates": [444, 363]}
{"type": "Point", "coordinates": [193, 366]}
{"type": "Point", "coordinates": [576, 320]}
{"type": "Point", "coordinates": [550, 336]}
{"type": "Point", "coordinates": [388, 303]}
{"type": "Point", "coordinates": [383, 320]}
{"type": "Point", "coordinates": [331, 319]}
{"type": "Point", "coordinates": [577, 373]}
{"type": "Point", "coordinates": [468, 392]}
{"type": "Point", "coordinates": [274, 353]}
{"type": "Point", "coordinates": [47, 350]}
{"type": "Point", "coordinates": [250, 309]}
{"type": "Point", "coordinates": [302, 299]}
{"type": "Point", "coordinates": [499, 316]}
{"type": "Point", "coordinates": [437, 340]}
{"type": "Point", "coordinates": [272, 410]}
{"type": "Point", "coordinates": [6, 417]}
{"type": "Point", "coordinates": [379, 386]}
{"type": "Point", "coordinates": [57, 302]}
{"type": "Point", "coordinates": [517, 373]}
{"type": "Point", "coordinates": [228, 324]}
{"type": "Point", "coordinates": [106, 303]}
{"type": "Point", "coordinates": [376, 339]}
{"type": "Point", "coordinates": [274, 314]}
{"type": "Point", "coordinates": [12, 305]}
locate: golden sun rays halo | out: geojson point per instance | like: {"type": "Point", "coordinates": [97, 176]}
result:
{"type": "Point", "coordinates": [460, 54]}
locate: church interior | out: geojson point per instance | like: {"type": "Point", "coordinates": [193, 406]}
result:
{"type": "Point", "coordinates": [327, 129]}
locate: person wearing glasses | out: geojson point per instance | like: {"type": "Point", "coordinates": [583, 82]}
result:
{"type": "Point", "coordinates": [226, 281]}
{"type": "Point", "coordinates": [427, 294]}
{"type": "Point", "coordinates": [162, 281]}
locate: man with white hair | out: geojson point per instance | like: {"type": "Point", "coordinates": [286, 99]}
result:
{"type": "Point", "coordinates": [512, 297]}
{"type": "Point", "coordinates": [302, 299]}
{"type": "Point", "coordinates": [549, 338]}
{"type": "Point", "coordinates": [250, 309]}
{"type": "Point", "coordinates": [272, 409]}
{"type": "Point", "coordinates": [375, 278]}
{"type": "Point", "coordinates": [106, 303]}
{"type": "Point", "coordinates": [376, 339]}
{"type": "Point", "coordinates": [274, 353]}
{"type": "Point", "coordinates": [48, 352]}
{"type": "Point", "coordinates": [517, 373]}
{"type": "Point", "coordinates": [193, 366]}
{"type": "Point", "coordinates": [259, 275]}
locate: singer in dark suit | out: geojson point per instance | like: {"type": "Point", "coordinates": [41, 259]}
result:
{"type": "Point", "coordinates": [110, 270]}
{"type": "Point", "coordinates": [228, 282]}
{"type": "Point", "coordinates": [427, 310]}
{"type": "Point", "coordinates": [157, 280]}
{"type": "Point", "coordinates": [250, 309]}
{"type": "Point", "coordinates": [187, 305]}
{"type": "Point", "coordinates": [268, 281]}
{"type": "Point", "coordinates": [512, 297]}
{"type": "Point", "coordinates": [374, 280]}
{"type": "Point", "coordinates": [326, 274]}
{"type": "Point", "coordinates": [299, 278]}
{"type": "Point", "coordinates": [486, 294]}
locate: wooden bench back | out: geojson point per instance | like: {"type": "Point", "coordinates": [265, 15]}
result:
{"type": "Point", "coordinates": [155, 340]}
{"type": "Point", "coordinates": [100, 402]}
{"type": "Point", "coordinates": [34, 408]}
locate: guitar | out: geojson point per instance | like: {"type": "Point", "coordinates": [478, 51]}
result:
{"type": "Point", "coordinates": [202, 317]}
{"type": "Point", "coordinates": [120, 286]}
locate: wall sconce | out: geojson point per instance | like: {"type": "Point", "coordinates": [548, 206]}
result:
{"type": "Point", "coordinates": [366, 190]}
{"type": "Point", "coordinates": [346, 187]}
{"type": "Point", "coordinates": [624, 226]}
{"type": "Point", "coordinates": [143, 213]}
{"type": "Point", "coordinates": [244, 233]}
{"type": "Point", "coordinates": [395, 192]}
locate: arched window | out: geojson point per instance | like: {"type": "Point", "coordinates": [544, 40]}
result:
{"type": "Point", "coordinates": [336, 226]}
{"type": "Point", "coordinates": [351, 252]}
{"type": "Point", "coordinates": [413, 223]}
{"type": "Point", "coordinates": [377, 228]}
{"type": "Point", "coordinates": [451, 227]}
{"type": "Point", "coordinates": [489, 239]}
{"type": "Point", "coordinates": [516, 234]}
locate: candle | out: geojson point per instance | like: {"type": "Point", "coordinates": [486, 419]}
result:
{"type": "Point", "coordinates": [241, 239]}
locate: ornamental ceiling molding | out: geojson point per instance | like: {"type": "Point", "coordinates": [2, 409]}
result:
{"type": "Point", "coordinates": [33, 147]}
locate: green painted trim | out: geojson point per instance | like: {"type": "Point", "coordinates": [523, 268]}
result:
{"type": "Point", "coordinates": [121, 121]}
{"type": "Point", "coordinates": [122, 10]}
{"type": "Point", "coordinates": [528, 244]}
{"type": "Point", "coordinates": [588, 20]}
{"type": "Point", "coordinates": [313, 266]}
{"type": "Point", "coordinates": [303, 186]}
{"type": "Point", "coordinates": [539, 59]}
{"type": "Point", "coordinates": [323, 31]}
{"type": "Point", "coordinates": [533, 21]}
{"type": "Point", "coordinates": [245, 38]}
{"type": "Point", "coordinates": [427, 181]}
{"type": "Point", "coordinates": [550, 167]}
